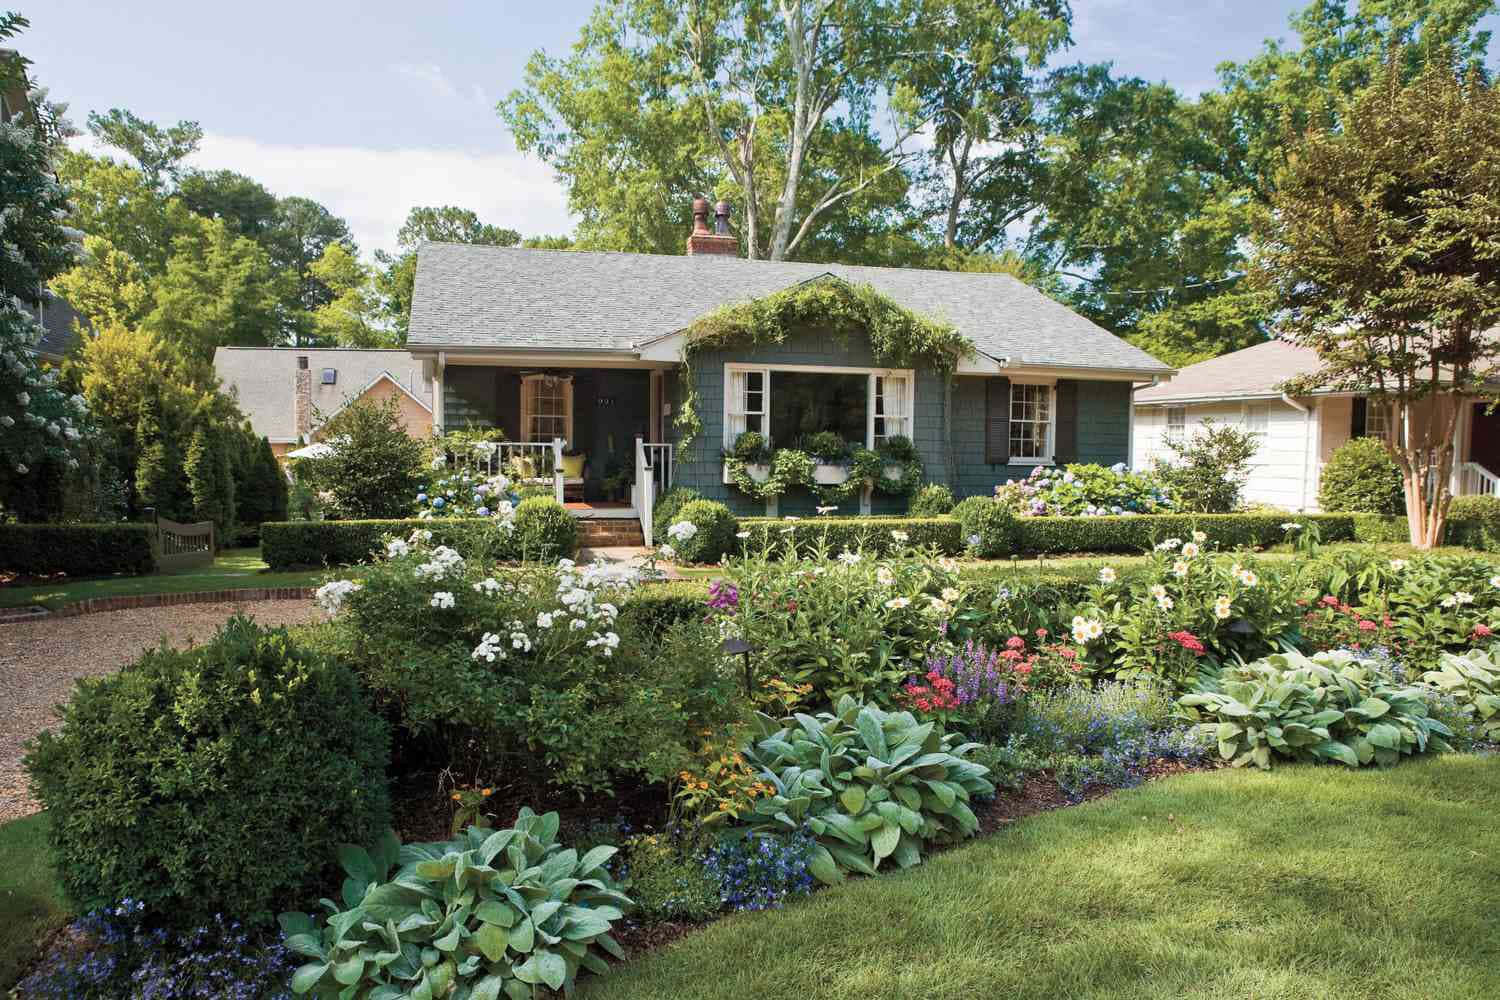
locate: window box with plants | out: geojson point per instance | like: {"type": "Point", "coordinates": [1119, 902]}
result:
{"type": "Point", "coordinates": [830, 455]}
{"type": "Point", "coordinates": [752, 454]}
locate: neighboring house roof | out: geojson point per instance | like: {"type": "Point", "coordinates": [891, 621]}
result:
{"type": "Point", "coordinates": [264, 379]}
{"type": "Point", "coordinates": [522, 300]}
{"type": "Point", "coordinates": [1250, 373]}
{"type": "Point", "coordinates": [57, 317]}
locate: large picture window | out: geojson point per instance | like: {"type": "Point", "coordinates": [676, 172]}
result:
{"type": "Point", "coordinates": [1030, 422]}
{"type": "Point", "coordinates": [547, 408]}
{"type": "Point", "coordinates": [864, 407]}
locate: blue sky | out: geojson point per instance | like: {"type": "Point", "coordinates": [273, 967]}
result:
{"type": "Point", "coordinates": [374, 107]}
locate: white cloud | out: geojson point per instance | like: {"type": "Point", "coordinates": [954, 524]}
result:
{"type": "Point", "coordinates": [373, 189]}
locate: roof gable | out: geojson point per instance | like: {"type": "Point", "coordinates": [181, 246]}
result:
{"type": "Point", "coordinates": [1249, 373]}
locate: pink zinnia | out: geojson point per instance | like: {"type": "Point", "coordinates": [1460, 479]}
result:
{"type": "Point", "coordinates": [1481, 631]}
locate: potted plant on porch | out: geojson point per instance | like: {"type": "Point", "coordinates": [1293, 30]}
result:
{"type": "Point", "coordinates": [830, 454]}
{"type": "Point", "coordinates": [753, 451]}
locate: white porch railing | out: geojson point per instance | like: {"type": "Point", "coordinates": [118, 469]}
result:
{"type": "Point", "coordinates": [1475, 479]}
{"type": "Point", "coordinates": [530, 462]}
{"type": "Point", "coordinates": [653, 472]}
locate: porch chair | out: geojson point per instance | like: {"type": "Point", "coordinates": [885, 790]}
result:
{"type": "Point", "coordinates": [573, 467]}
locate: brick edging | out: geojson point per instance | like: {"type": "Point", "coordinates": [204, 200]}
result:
{"type": "Point", "coordinates": [241, 595]}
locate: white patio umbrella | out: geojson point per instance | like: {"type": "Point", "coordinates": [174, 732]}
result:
{"type": "Point", "coordinates": [318, 449]}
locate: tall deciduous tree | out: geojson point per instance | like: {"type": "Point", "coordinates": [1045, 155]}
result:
{"type": "Point", "coordinates": [442, 224]}
{"type": "Point", "coordinates": [352, 317]}
{"type": "Point", "coordinates": [1383, 246]}
{"type": "Point", "coordinates": [158, 151]}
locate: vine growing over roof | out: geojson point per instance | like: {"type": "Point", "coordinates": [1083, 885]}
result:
{"type": "Point", "coordinates": [899, 337]}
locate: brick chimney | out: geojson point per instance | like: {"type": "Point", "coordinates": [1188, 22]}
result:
{"type": "Point", "coordinates": [718, 240]}
{"type": "Point", "coordinates": [303, 407]}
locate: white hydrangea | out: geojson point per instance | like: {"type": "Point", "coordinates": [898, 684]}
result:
{"type": "Point", "coordinates": [444, 561]}
{"type": "Point", "coordinates": [682, 531]}
{"type": "Point", "coordinates": [543, 620]}
{"type": "Point", "coordinates": [489, 649]}
{"type": "Point", "coordinates": [395, 548]}
{"type": "Point", "coordinates": [330, 597]}
{"type": "Point", "coordinates": [605, 642]}
{"type": "Point", "coordinates": [442, 599]}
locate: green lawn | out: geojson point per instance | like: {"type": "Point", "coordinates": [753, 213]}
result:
{"type": "Point", "coordinates": [31, 901]}
{"type": "Point", "coordinates": [233, 569]}
{"type": "Point", "coordinates": [1302, 883]}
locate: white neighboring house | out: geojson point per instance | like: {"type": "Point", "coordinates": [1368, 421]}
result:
{"type": "Point", "coordinates": [1298, 434]}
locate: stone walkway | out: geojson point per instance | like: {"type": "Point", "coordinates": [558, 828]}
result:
{"type": "Point", "coordinates": [40, 660]}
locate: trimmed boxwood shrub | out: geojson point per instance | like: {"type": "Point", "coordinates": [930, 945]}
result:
{"type": "Point", "coordinates": [932, 500]}
{"type": "Point", "coordinates": [654, 609]}
{"type": "Point", "coordinates": [544, 531]}
{"type": "Point", "coordinates": [989, 527]}
{"type": "Point", "coordinates": [714, 537]}
{"type": "Point", "coordinates": [871, 534]}
{"type": "Point", "coordinates": [77, 549]}
{"type": "Point", "coordinates": [1139, 533]}
{"type": "Point", "coordinates": [1381, 528]}
{"type": "Point", "coordinates": [1361, 478]}
{"type": "Point", "coordinates": [1473, 521]}
{"type": "Point", "coordinates": [216, 779]}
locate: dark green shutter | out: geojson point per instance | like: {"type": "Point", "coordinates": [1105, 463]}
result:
{"type": "Point", "coordinates": [1358, 414]}
{"type": "Point", "coordinates": [1065, 447]}
{"type": "Point", "coordinates": [997, 421]}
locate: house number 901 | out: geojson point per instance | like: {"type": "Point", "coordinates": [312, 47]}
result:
{"type": "Point", "coordinates": [606, 401]}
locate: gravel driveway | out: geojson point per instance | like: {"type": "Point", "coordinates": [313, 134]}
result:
{"type": "Point", "coordinates": [39, 661]}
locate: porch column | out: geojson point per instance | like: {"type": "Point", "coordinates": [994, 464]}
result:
{"type": "Point", "coordinates": [437, 391]}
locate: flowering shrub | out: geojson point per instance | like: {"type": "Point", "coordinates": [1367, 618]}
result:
{"type": "Point", "coordinates": [762, 872]}
{"type": "Point", "coordinates": [527, 668]}
{"type": "Point", "coordinates": [668, 883]}
{"type": "Point", "coordinates": [118, 954]}
{"type": "Point", "coordinates": [1086, 491]}
{"type": "Point", "coordinates": [703, 532]}
{"type": "Point", "coordinates": [467, 492]}
{"type": "Point", "coordinates": [841, 624]}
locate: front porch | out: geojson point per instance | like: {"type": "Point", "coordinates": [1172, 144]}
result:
{"type": "Point", "coordinates": [1476, 439]}
{"type": "Point", "coordinates": [593, 434]}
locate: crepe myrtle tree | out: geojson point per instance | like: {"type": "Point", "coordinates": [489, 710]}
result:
{"type": "Point", "coordinates": [1382, 247]}
{"type": "Point", "coordinates": [38, 420]}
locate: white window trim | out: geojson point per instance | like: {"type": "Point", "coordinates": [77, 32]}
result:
{"type": "Point", "coordinates": [527, 397]}
{"type": "Point", "coordinates": [1245, 409]}
{"type": "Point", "coordinates": [1050, 451]}
{"type": "Point", "coordinates": [1167, 429]}
{"type": "Point", "coordinates": [909, 374]}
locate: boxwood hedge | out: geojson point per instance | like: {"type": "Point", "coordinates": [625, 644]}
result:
{"type": "Point", "coordinates": [77, 549]}
{"type": "Point", "coordinates": [839, 533]}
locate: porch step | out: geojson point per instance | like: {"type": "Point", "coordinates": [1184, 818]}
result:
{"type": "Point", "coordinates": [596, 533]}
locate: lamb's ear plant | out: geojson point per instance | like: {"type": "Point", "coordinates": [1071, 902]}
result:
{"type": "Point", "coordinates": [490, 913]}
{"type": "Point", "coordinates": [869, 785]}
{"type": "Point", "coordinates": [1328, 707]}
{"type": "Point", "coordinates": [1473, 681]}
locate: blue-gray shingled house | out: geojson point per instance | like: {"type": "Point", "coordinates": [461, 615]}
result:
{"type": "Point", "coordinates": [586, 348]}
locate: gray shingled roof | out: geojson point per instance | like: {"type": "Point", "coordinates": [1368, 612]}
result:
{"type": "Point", "coordinates": [264, 380]}
{"type": "Point", "coordinates": [1250, 372]}
{"type": "Point", "coordinates": [506, 298]}
{"type": "Point", "coordinates": [57, 316]}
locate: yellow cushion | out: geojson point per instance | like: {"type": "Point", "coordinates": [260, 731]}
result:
{"type": "Point", "coordinates": [573, 466]}
{"type": "Point", "coordinates": [525, 468]}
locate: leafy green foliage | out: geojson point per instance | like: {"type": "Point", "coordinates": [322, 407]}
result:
{"type": "Point", "coordinates": [216, 779]}
{"type": "Point", "coordinates": [492, 912]}
{"type": "Point", "coordinates": [1472, 680]}
{"type": "Point", "coordinates": [666, 509]}
{"type": "Point", "coordinates": [1087, 490]}
{"type": "Point", "coordinates": [1328, 707]}
{"type": "Point", "coordinates": [1207, 469]}
{"type": "Point", "coordinates": [869, 784]}
{"type": "Point", "coordinates": [1474, 521]}
{"type": "Point", "coordinates": [669, 882]}
{"type": "Point", "coordinates": [932, 500]}
{"type": "Point", "coordinates": [210, 481]}
{"type": "Point", "coordinates": [713, 533]}
{"type": "Point", "coordinates": [1361, 477]}
{"type": "Point", "coordinates": [376, 466]}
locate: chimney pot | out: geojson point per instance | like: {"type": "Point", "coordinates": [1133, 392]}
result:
{"type": "Point", "coordinates": [718, 241]}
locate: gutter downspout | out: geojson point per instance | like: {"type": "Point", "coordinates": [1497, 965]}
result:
{"type": "Point", "coordinates": [1307, 414]}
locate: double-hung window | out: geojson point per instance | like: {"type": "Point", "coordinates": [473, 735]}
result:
{"type": "Point", "coordinates": [547, 407]}
{"type": "Point", "coordinates": [891, 414]}
{"type": "Point", "coordinates": [1379, 420]}
{"type": "Point", "coordinates": [747, 402]}
{"type": "Point", "coordinates": [1031, 416]}
{"type": "Point", "coordinates": [1258, 418]}
{"type": "Point", "coordinates": [1176, 423]}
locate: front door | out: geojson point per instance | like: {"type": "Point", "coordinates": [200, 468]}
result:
{"type": "Point", "coordinates": [616, 403]}
{"type": "Point", "coordinates": [1484, 439]}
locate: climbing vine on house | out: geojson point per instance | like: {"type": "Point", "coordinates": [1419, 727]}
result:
{"type": "Point", "coordinates": [899, 338]}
